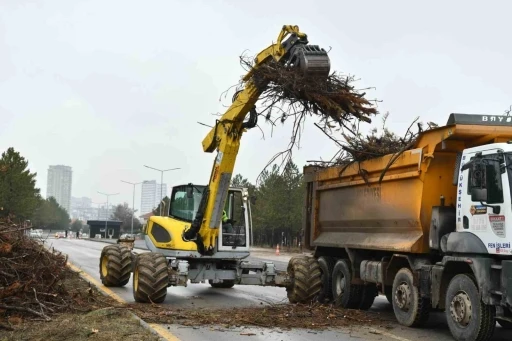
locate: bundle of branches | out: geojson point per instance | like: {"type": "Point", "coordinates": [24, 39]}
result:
{"type": "Point", "coordinates": [32, 277]}
{"type": "Point", "coordinates": [358, 147]}
{"type": "Point", "coordinates": [288, 93]}
{"type": "Point", "coordinates": [333, 98]}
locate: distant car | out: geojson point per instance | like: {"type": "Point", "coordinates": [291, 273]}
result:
{"type": "Point", "coordinates": [36, 234]}
{"type": "Point", "coordinates": [60, 235]}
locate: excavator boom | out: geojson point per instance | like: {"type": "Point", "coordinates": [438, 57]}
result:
{"type": "Point", "coordinates": [293, 50]}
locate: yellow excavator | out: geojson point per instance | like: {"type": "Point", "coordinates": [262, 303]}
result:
{"type": "Point", "coordinates": [206, 234]}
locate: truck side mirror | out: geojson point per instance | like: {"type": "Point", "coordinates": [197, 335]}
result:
{"type": "Point", "coordinates": [479, 194]}
{"type": "Point", "coordinates": [190, 191]}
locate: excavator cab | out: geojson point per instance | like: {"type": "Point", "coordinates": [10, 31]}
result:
{"type": "Point", "coordinates": [234, 234]}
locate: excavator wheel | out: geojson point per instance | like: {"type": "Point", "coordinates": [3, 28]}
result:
{"type": "Point", "coordinates": [115, 265]}
{"type": "Point", "coordinates": [306, 277]}
{"type": "Point", "coordinates": [150, 278]}
{"type": "Point", "coordinates": [226, 284]}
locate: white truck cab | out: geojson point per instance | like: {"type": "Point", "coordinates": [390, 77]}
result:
{"type": "Point", "coordinates": [484, 204]}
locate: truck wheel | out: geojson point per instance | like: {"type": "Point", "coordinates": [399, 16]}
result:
{"type": "Point", "coordinates": [326, 265]}
{"type": "Point", "coordinates": [369, 293]}
{"type": "Point", "coordinates": [150, 278]}
{"type": "Point", "coordinates": [226, 284]}
{"type": "Point", "coordinates": [467, 316]}
{"type": "Point", "coordinates": [410, 308]}
{"type": "Point", "coordinates": [115, 265]}
{"type": "Point", "coordinates": [344, 294]}
{"type": "Point", "coordinates": [305, 274]}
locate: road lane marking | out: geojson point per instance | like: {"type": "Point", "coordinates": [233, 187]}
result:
{"type": "Point", "coordinates": [385, 333]}
{"type": "Point", "coordinates": [163, 332]}
{"type": "Point", "coordinates": [156, 328]}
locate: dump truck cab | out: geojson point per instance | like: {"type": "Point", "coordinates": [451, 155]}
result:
{"type": "Point", "coordinates": [484, 204]}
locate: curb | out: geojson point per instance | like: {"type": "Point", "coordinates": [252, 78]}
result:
{"type": "Point", "coordinates": [153, 328]}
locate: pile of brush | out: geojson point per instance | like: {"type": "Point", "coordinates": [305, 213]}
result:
{"type": "Point", "coordinates": [31, 276]}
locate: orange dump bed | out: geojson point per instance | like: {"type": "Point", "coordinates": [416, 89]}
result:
{"type": "Point", "coordinates": [359, 206]}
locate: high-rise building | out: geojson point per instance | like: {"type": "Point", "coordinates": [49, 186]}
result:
{"type": "Point", "coordinates": [59, 183]}
{"type": "Point", "coordinates": [151, 194]}
{"type": "Point", "coordinates": [81, 208]}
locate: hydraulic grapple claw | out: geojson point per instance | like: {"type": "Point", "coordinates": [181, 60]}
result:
{"type": "Point", "coordinates": [312, 60]}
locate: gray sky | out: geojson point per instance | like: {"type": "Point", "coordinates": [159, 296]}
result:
{"type": "Point", "coordinates": [107, 86]}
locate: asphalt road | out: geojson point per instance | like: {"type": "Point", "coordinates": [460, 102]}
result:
{"type": "Point", "coordinates": [85, 255]}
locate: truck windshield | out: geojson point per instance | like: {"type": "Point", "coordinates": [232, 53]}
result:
{"type": "Point", "coordinates": [183, 207]}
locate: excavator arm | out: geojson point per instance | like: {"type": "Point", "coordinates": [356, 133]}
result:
{"type": "Point", "coordinates": [225, 136]}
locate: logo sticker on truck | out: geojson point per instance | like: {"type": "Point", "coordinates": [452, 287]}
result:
{"type": "Point", "coordinates": [498, 225]}
{"type": "Point", "coordinates": [478, 209]}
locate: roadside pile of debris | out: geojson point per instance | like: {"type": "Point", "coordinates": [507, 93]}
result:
{"type": "Point", "coordinates": [35, 282]}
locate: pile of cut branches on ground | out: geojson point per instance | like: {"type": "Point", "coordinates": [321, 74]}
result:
{"type": "Point", "coordinates": [311, 316]}
{"type": "Point", "coordinates": [33, 279]}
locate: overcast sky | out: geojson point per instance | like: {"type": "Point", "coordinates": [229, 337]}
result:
{"type": "Point", "coordinates": [108, 86]}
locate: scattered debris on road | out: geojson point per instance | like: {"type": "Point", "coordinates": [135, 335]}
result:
{"type": "Point", "coordinates": [287, 316]}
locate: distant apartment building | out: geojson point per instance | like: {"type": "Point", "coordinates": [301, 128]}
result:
{"type": "Point", "coordinates": [81, 208]}
{"type": "Point", "coordinates": [59, 182]}
{"type": "Point", "coordinates": [151, 194]}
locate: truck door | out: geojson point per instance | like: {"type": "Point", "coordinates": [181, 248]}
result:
{"type": "Point", "coordinates": [486, 219]}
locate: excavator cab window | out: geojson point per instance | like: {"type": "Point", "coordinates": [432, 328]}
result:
{"type": "Point", "coordinates": [185, 201]}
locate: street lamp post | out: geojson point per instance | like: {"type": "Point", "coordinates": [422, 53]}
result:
{"type": "Point", "coordinates": [106, 220]}
{"type": "Point", "coordinates": [133, 201]}
{"type": "Point", "coordinates": [161, 181]}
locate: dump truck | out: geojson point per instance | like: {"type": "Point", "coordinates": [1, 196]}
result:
{"type": "Point", "coordinates": [429, 227]}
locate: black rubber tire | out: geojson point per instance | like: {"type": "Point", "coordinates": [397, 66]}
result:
{"type": "Point", "coordinates": [418, 310]}
{"type": "Point", "coordinates": [305, 274]}
{"type": "Point", "coordinates": [482, 322]}
{"type": "Point", "coordinates": [115, 265]}
{"type": "Point", "coordinates": [150, 278]}
{"type": "Point", "coordinates": [226, 284]}
{"type": "Point", "coordinates": [388, 292]}
{"type": "Point", "coordinates": [368, 295]}
{"type": "Point", "coordinates": [505, 324]}
{"type": "Point", "coordinates": [326, 265]}
{"type": "Point", "coordinates": [344, 294]}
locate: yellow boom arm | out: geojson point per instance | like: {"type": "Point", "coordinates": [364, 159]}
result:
{"type": "Point", "coordinates": [226, 134]}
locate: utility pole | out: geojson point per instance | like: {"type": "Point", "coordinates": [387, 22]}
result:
{"type": "Point", "coordinates": [106, 220]}
{"type": "Point", "coordinates": [133, 201]}
{"type": "Point", "coordinates": [161, 181]}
